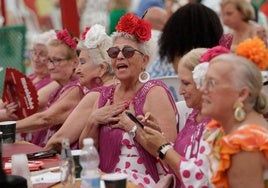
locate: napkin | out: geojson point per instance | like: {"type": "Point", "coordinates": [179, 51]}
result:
{"type": "Point", "coordinates": [48, 177]}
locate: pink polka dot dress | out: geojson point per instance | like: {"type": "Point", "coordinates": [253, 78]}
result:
{"type": "Point", "coordinates": [194, 165]}
{"type": "Point", "coordinates": [132, 164]}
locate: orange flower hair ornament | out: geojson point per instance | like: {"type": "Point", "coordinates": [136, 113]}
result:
{"type": "Point", "coordinates": [66, 37]}
{"type": "Point", "coordinates": [255, 50]}
{"type": "Point", "coordinates": [133, 25]}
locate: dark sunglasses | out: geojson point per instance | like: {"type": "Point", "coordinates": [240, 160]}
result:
{"type": "Point", "coordinates": [127, 52]}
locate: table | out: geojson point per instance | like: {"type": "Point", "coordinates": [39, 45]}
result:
{"type": "Point", "coordinates": [26, 147]}
{"type": "Point", "coordinates": [77, 185]}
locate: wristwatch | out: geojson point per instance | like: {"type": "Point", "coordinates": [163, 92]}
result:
{"type": "Point", "coordinates": [163, 150]}
{"type": "Point", "coordinates": [132, 132]}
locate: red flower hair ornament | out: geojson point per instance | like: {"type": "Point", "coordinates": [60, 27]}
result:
{"type": "Point", "coordinates": [133, 25]}
{"type": "Point", "coordinates": [84, 33]}
{"type": "Point", "coordinates": [65, 36]}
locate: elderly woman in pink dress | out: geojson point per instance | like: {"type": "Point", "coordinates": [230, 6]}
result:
{"type": "Point", "coordinates": [188, 162]}
{"type": "Point", "coordinates": [119, 149]}
{"type": "Point", "coordinates": [39, 58]}
{"type": "Point", "coordinates": [62, 63]}
{"type": "Point", "coordinates": [94, 70]}
{"type": "Point", "coordinates": [40, 76]}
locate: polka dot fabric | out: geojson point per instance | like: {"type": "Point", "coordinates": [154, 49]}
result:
{"type": "Point", "coordinates": [194, 172]}
{"type": "Point", "coordinates": [132, 164]}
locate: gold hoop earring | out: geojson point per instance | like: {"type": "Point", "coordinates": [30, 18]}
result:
{"type": "Point", "coordinates": [239, 112]}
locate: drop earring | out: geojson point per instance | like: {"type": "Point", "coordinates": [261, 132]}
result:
{"type": "Point", "coordinates": [239, 112]}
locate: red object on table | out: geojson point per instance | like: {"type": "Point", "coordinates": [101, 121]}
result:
{"type": "Point", "coordinates": [25, 147]}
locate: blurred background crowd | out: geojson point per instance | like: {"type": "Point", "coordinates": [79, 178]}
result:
{"type": "Point", "coordinates": [75, 15]}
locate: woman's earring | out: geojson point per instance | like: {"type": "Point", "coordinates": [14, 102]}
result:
{"type": "Point", "coordinates": [144, 77]}
{"type": "Point", "coordinates": [239, 112]}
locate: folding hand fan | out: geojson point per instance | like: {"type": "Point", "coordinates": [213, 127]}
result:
{"type": "Point", "coordinates": [19, 88]}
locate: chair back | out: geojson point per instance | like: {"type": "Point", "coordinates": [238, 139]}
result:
{"type": "Point", "coordinates": [173, 85]}
{"type": "Point", "coordinates": [12, 49]}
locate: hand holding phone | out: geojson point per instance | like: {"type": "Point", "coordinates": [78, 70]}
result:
{"type": "Point", "coordinates": [134, 119]}
{"type": "Point", "coordinates": [41, 154]}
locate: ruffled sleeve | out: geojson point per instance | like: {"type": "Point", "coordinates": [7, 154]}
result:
{"type": "Point", "coordinates": [248, 138]}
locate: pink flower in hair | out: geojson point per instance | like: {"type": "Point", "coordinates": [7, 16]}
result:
{"type": "Point", "coordinates": [200, 70]}
{"type": "Point", "coordinates": [213, 52]}
{"type": "Point", "coordinates": [65, 36]}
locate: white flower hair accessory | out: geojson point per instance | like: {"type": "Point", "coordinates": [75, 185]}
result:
{"type": "Point", "coordinates": [199, 73]}
{"type": "Point", "coordinates": [200, 70]}
{"type": "Point", "coordinates": [95, 36]}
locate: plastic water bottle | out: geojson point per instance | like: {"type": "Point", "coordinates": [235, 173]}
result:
{"type": "Point", "coordinates": [67, 165]}
{"type": "Point", "coordinates": [89, 160]}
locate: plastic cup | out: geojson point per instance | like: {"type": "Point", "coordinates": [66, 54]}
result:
{"type": "Point", "coordinates": [19, 166]}
{"type": "Point", "coordinates": [9, 131]}
{"type": "Point", "coordinates": [115, 180]}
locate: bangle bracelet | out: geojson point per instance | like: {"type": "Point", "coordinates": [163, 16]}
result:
{"type": "Point", "coordinates": [163, 150]}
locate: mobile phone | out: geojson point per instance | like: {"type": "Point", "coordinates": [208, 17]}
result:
{"type": "Point", "coordinates": [42, 154]}
{"type": "Point", "coordinates": [134, 119]}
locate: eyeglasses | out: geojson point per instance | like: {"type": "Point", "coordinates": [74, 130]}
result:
{"type": "Point", "coordinates": [127, 52]}
{"type": "Point", "coordinates": [209, 84]}
{"type": "Point", "coordinates": [40, 55]}
{"type": "Point", "coordinates": [56, 61]}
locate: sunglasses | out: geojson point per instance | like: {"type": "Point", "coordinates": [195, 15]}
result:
{"type": "Point", "coordinates": [127, 52]}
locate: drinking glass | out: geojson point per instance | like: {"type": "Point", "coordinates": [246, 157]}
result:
{"type": "Point", "coordinates": [19, 166]}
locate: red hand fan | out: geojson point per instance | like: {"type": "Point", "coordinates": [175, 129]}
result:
{"type": "Point", "coordinates": [19, 88]}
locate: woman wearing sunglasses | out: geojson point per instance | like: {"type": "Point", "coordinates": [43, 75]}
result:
{"type": "Point", "coordinates": [62, 63]}
{"type": "Point", "coordinates": [94, 70]}
{"type": "Point", "coordinates": [119, 150]}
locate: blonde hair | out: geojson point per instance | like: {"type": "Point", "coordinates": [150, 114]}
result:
{"type": "Point", "coordinates": [192, 58]}
{"type": "Point", "coordinates": [71, 53]}
{"type": "Point", "coordinates": [242, 6]}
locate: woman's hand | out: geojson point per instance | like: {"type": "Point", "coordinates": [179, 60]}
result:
{"type": "Point", "coordinates": [261, 33]}
{"type": "Point", "coordinates": [108, 113]}
{"type": "Point", "coordinates": [152, 140]}
{"type": "Point", "coordinates": [124, 123]}
{"type": "Point", "coordinates": [150, 121]}
{"type": "Point", "coordinates": [10, 109]}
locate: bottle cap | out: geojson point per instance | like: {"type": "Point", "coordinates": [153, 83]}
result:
{"type": "Point", "coordinates": [88, 141]}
